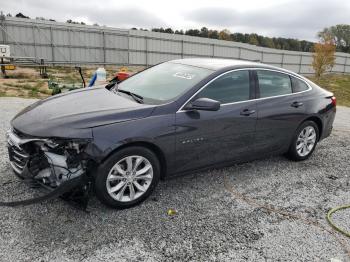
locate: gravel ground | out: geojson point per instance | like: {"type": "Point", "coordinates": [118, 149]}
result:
{"type": "Point", "coordinates": [211, 223]}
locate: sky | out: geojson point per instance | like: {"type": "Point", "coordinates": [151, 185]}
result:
{"type": "Point", "coordinates": [300, 19]}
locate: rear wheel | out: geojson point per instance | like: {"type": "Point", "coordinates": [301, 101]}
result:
{"type": "Point", "coordinates": [304, 141]}
{"type": "Point", "coordinates": [128, 177]}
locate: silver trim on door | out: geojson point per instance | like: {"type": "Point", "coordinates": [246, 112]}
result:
{"type": "Point", "coordinates": [255, 99]}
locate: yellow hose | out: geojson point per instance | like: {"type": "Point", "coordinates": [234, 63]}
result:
{"type": "Point", "coordinates": [330, 221]}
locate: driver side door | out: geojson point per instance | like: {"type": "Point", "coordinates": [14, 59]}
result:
{"type": "Point", "coordinates": [205, 138]}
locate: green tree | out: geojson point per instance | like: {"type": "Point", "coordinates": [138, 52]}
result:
{"type": "Point", "coordinates": [20, 15]}
{"type": "Point", "coordinates": [294, 45]}
{"type": "Point", "coordinates": [213, 34]}
{"type": "Point", "coordinates": [204, 32]}
{"type": "Point", "coordinates": [159, 30]}
{"type": "Point", "coordinates": [169, 31]}
{"type": "Point", "coordinates": [238, 37]}
{"type": "Point", "coordinates": [268, 42]}
{"type": "Point", "coordinates": [246, 38]}
{"type": "Point", "coordinates": [340, 34]}
{"type": "Point", "coordinates": [306, 46]}
{"type": "Point", "coordinates": [193, 32]}
{"type": "Point", "coordinates": [253, 39]}
{"type": "Point", "coordinates": [179, 32]}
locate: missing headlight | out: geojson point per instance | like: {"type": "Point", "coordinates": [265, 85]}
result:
{"type": "Point", "coordinates": [65, 160]}
{"type": "Point", "coordinates": [59, 171]}
{"type": "Point", "coordinates": [58, 165]}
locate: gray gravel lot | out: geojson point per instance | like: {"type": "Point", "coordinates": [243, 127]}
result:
{"type": "Point", "coordinates": [211, 224]}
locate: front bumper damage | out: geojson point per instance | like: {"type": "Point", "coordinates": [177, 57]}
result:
{"type": "Point", "coordinates": [59, 166]}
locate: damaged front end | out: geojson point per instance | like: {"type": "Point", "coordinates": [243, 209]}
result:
{"type": "Point", "coordinates": [58, 165]}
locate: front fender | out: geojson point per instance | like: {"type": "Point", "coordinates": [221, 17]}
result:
{"type": "Point", "coordinates": [156, 130]}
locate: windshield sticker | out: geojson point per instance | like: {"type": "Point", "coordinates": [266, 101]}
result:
{"type": "Point", "coordinates": [184, 75]}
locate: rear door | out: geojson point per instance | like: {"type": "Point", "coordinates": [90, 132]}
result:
{"type": "Point", "coordinates": [204, 138]}
{"type": "Point", "coordinates": [280, 110]}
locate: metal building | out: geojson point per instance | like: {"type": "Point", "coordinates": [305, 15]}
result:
{"type": "Point", "coordinates": [62, 43]}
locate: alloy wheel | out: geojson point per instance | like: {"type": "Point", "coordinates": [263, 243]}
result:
{"type": "Point", "coordinates": [129, 178]}
{"type": "Point", "coordinates": [306, 141]}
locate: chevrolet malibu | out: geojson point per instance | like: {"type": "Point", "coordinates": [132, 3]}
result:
{"type": "Point", "coordinates": [174, 118]}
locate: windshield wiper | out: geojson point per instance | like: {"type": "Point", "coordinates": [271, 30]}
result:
{"type": "Point", "coordinates": [137, 98]}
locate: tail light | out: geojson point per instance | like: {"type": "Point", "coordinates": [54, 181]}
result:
{"type": "Point", "coordinates": [334, 101]}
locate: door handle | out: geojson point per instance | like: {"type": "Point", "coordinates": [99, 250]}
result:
{"type": "Point", "coordinates": [296, 104]}
{"type": "Point", "coordinates": [247, 112]}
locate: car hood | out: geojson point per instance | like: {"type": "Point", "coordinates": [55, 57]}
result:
{"type": "Point", "coordinates": [73, 114]}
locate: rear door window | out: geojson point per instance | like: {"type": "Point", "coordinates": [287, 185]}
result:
{"type": "Point", "coordinates": [273, 83]}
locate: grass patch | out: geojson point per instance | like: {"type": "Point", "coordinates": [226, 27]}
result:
{"type": "Point", "coordinates": [20, 86]}
{"type": "Point", "coordinates": [38, 85]}
{"type": "Point", "coordinates": [26, 86]}
{"type": "Point", "coordinates": [21, 75]}
{"type": "Point", "coordinates": [25, 89]}
{"type": "Point", "coordinates": [338, 84]}
{"type": "Point", "coordinates": [34, 92]}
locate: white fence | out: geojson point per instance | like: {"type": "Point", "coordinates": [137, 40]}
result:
{"type": "Point", "coordinates": [62, 43]}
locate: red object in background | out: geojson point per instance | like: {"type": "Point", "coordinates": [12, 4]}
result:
{"type": "Point", "coordinates": [334, 100]}
{"type": "Point", "coordinates": [122, 75]}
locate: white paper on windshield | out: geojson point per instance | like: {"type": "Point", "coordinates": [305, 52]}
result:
{"type": "Point", "coordinates": [184, 75]}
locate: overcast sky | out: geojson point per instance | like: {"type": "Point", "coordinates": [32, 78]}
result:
{"type": "Point", "coordinates": [286, 18]}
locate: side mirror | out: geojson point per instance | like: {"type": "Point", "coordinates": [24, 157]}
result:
{"type": "Point", "coordinates": [205, 104]}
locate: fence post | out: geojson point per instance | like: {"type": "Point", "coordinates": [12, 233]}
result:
{"type": "Point", "coordinates": [239, 53]}
{"type": "Point", "coordinates": [213, 50]}
{"type": "Point", "coordinates": [104, 46]}
{"type": "Point", "coordinates": [52, 46]}
{"type": "Point", "coordinates": [3, 26]}
{"type": "Point", "coordinates": [345, 64]}
{"type": "Point", "coordinates": [182, 48]}
{"type": "Point", "coordinates": [146, 50]}
{"type": "Point", "coordinates": [34, 42]}
{"type": "Point", "coordinates": [282, 60]}
{"type": "Point", "coordinates": [70, 44]}
{"type": "Point", "coordinates": [128, 58]}
{"type": "Point", "coordinates": [262, 56]}
{"type": "Point", "coordinates": [300, 61]}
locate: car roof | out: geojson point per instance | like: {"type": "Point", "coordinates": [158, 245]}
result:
{"type": "Point", "coordinates": [218, 64]}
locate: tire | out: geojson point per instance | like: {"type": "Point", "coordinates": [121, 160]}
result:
{"type": "Point", "coordinates": [18, 175]}
{"type": "Point", "coordinates": [118, 186]}
{"type": "Point", "coordinates": [303, 143]}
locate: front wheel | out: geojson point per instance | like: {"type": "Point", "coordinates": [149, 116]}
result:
{"type": "Point", "coordinates": [304, 141]}
{"type": "Point", "coordinates": [128, 177]}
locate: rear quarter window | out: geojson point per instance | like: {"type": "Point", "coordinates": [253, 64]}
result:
{"type": "Point", "coordinates": [298, 85]}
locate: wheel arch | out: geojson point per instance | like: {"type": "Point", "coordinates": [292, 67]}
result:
{"type": "Point", "coordinates": [152, 147]}
{"type": "Point", "coordinates": [318, 122]}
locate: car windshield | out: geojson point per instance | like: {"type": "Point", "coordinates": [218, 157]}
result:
{"type": "Point", "coordinates": [164, 82]}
